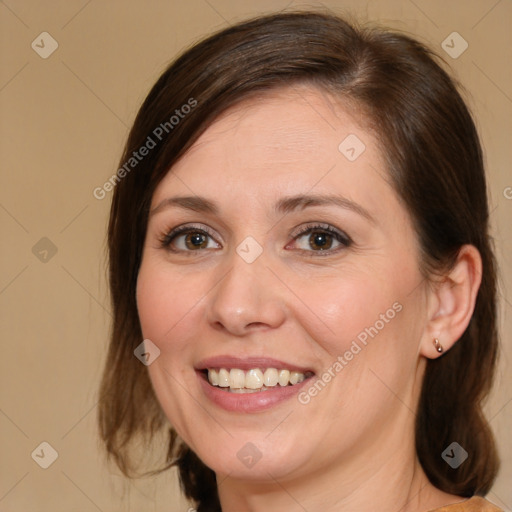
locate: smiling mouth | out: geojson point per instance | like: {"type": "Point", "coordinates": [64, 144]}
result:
{"type": "Point", "coordinates": [235, 380]}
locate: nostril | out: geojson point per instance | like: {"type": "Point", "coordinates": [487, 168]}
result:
{"type": "Point", "coordinates": [258, 325]}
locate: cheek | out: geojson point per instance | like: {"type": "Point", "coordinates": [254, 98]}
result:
{"type": "Point", "coordinates": [165, 307]}
{"type": "Point", "coordinates": [348, 305]}
{"type": "Point", "coordinates": [163, 302]}
{"type": "Point", "coordinates": [369, 334]}
{"type": "Point", "coordinates": [369, 349]}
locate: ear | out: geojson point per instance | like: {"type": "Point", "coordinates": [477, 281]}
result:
{"type": "Point", "coordinates": [452, 302]}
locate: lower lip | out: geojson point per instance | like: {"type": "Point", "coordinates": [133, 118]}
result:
{"type": "Point", "coordinates": [249, 402]}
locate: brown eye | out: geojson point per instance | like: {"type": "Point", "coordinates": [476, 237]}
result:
{"type": "Point", "coordinates": [320, 238]}
{"type": "Point", "coordinates": [320, 241]}
{"type": "Point", "coordinates": [188, 239]}
{"type": "Point", "coordinates": [196, 241]}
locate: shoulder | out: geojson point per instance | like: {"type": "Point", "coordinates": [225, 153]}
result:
{"type": "Point", "coordinates": [475, 504]}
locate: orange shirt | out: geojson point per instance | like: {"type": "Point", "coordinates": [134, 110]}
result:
{"type": "Point", "coordinates": [475, 504]}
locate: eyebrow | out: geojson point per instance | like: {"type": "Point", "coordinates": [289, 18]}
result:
{"type": "Point", "coordinates": [284, 205]}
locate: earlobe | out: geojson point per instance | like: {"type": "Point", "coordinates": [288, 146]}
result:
{"type": "Point", "coordinates": [453, 299]}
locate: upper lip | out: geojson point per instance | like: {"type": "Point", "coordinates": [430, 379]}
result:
{"type": "Point", "coordinates": [248, 363]}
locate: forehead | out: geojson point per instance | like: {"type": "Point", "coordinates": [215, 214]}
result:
{"type": "Point", "coordinates": [283, 138]}
{"type": "Point", "coordinates": [292, 121]}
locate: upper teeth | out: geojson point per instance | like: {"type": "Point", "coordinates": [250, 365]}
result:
{"type": "Point", "coordinates": [253, 379]}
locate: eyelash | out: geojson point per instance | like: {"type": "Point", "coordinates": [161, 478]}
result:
{"type": "Point", "coordinates": [167, 238]}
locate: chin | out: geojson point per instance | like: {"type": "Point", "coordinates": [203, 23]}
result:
{"type": "Point", "coordinates": [257, 460]}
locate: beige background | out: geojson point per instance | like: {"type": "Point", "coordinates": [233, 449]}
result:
{"type": "Point", "coordinates": [63, 123]}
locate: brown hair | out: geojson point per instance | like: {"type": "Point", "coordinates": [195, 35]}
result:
{"type": "Point", "coordinates": [435, 163]}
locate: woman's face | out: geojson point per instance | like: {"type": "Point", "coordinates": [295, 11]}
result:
{"type": "Point", "coordinates": [297, 256]}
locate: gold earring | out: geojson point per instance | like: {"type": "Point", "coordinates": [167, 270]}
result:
{"type": "Point", "coordinates": [438, 345]}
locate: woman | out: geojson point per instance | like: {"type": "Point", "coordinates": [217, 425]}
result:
{"type": "Point", "coordinates": [299, 255]}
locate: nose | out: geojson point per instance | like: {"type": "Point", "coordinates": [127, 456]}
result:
{"type": "Point", "coordinates": [248, 297]}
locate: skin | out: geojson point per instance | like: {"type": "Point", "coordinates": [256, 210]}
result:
{"type": "Point", "coordinates": [352, 446]}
